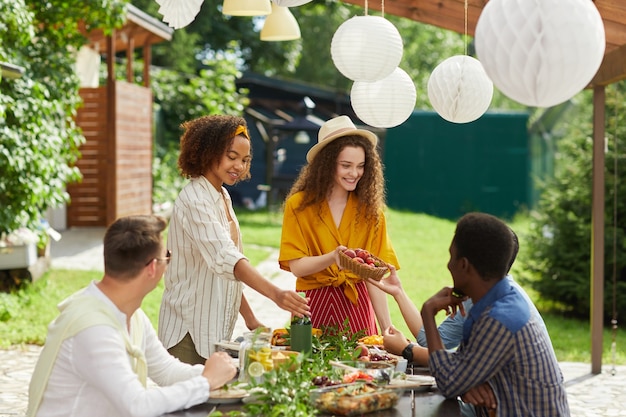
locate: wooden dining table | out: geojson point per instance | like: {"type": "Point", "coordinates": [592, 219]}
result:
{"type": "Point", "coordinates": [423, 404]}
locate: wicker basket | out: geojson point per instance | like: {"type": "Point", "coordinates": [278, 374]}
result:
{"type": "Point", "coordinates": [364, 271]}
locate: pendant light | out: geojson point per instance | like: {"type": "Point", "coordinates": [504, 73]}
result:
{"type": "Point", "coordinates": [291, 3]}
{"type": "Point", "coordinates": [459, 89]}
{"type": "Point", "coordinates": [366, 48]}
{"type": "Point", "coordinates": [178, 14]}
{"type": "Point", "coordinates": [280, 25]}
{"type": "Point", "coordinates": [246, 7]}
{"type": "Point", "coordinates": [384, 103]}
{"type": "Point", "coordinates": [540, 53]}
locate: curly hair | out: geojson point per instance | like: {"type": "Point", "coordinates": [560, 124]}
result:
{"type": "Point", "coordinates": [487, 243]}
{"type": "Point", "coordinates": [205, 141]}
{"type": "Point", "coordinates": [315, 181]}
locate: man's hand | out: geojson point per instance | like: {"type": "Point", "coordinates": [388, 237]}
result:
{"type": "Point", "coordinates": [394, 340]}
{"type": "Point", "coordinates": [444, 300]}
{"type": "Point", "coordinates": [481, 396]}
{"type": "Point", "coordinates": [219, 369]}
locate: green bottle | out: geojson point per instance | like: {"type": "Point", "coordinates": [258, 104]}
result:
{"type": "Point", "coordinates": [301, 333]}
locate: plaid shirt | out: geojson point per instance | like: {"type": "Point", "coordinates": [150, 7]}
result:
{"type": "Point", "coordinates": [504, 345]}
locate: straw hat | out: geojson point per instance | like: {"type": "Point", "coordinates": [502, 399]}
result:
{"type": "Point", "coordinates": [336, 128]}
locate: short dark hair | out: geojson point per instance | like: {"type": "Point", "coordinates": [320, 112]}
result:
{"type": "Point", "coordinates": [130, 242]}
{"type": "Point", "coordinates": [515, 250]}
{"type": "Point", "coordinates": [486, 242]}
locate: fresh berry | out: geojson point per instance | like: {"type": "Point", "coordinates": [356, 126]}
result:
{"type": "Point", "coordinates": [363, 254]}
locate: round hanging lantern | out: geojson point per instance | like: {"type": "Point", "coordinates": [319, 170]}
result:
{"type": "Point", "coordinates": [178, 14]}
{"type": "Point", "coordinates": [540, 53]}
{"type": "Point", "coordinates": [459, 89]}
{"type": "Point", "coordinates": [384, 103]}
{"type": "Point", "coordinates": [366, 48]}
{"type": "Point", "coordinates": [290, 3]}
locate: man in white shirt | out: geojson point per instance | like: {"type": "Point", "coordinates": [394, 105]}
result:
{"type": "Point", "coordinates": [102, 348]}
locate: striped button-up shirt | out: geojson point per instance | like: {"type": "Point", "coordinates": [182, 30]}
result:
{"type": "Point", "coordinates": [506, 346]}
{"type": "Point", "coordinates": [202, 296]}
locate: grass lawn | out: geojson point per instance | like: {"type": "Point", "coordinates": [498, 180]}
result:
{"type": "Point", "coordinates": [420, 241]}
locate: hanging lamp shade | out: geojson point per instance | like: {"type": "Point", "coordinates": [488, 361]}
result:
{"type": "Point", "coordinates": [291, 3]}
{"type": "Point", "coordinates": [366, 48]}
{"type": "Point", "coordinates": [178, 14]}
{"type": "Point", "coordinates": [245, 7]}
{"type": "Point", "coordinates": [540, 53]}
{"type": "Point", "coordinates": [459, 89]}
{"type": "Point", "coordinates": [280, 25]}
{"type": "Point", "coordinates": [384, 103]}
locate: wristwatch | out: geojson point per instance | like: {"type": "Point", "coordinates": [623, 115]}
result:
{"type": "Point", "coordinates": [407, 353]}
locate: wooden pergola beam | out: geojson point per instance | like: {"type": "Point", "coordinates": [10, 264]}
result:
{"type": "Point", "coordinates": [612, 69]}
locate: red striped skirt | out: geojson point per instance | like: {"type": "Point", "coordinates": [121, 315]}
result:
{"type": "Point", "coordinates": [330, 307]}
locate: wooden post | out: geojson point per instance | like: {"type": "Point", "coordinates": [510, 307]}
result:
{"type": "Point", "coordinates": [597, 231]}
{"type": "Point", "coordinates": [147, 59]}
{"type": "Point", "coordinates": [130, 76]}
{"type": "Point", "coordinates": [111, 174]}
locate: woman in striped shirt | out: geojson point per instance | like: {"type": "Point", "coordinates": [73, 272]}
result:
{"type": "Point", "coordinates": [204, 283]}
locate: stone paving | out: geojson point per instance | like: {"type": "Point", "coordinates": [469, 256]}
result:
{"type": "Point", "coordinates": [601, 395]}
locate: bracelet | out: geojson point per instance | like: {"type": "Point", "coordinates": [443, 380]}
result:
{"type": "Point", "coordinates": [407, 353]}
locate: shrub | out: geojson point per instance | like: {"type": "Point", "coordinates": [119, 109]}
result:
{"type": "Point", "coordinates": [39, 138]}
{"type": "Point", "coordinates": [558, 256]}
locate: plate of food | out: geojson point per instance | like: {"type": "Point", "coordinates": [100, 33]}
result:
{"type": "Point", "coordinates": [413, 382]}
{"type": "Point", "coordinates": [355, 399]}
{"type": "Point", "coordinates": [229, 395]}
{"type": "Point", "coordinates": [372, 340]}
{"type": "Point", "coordinates": [232, 348]}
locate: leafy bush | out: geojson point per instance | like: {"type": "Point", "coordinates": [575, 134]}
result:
{"type": "Point", "coordinates": [39, 138]}
{"type": "Point", "coordinates": [558, 256]}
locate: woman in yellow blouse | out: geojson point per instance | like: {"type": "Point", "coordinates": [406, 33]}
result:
{"type": "Point", "coordinates": [336, 202]}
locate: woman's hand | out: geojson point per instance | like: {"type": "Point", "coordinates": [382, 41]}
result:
{"type": "Point", "coordinates": [391, 284]}
{"type": "Point", "coordinates": [252, 326]}
{"type": "Point", "coordinates": [337, 253]}
{"type": "Point", "coordinates": [292, 302]}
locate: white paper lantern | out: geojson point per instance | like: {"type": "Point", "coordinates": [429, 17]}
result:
{"type": "Point", "coordinates": [177, 13]}
{"type": "Point", "coordinates": [540, 52]}
{"type": "Point", "coordinates": [384, 103]}
{"type": "Point", "coordinates": [459, 89]}
{"type": "Point", "coordinates": [366, 48]}
{"type": "Point", "coordinates": [290, 3]}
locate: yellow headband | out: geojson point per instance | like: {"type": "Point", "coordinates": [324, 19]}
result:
{"type": "Point", "coordinates": [241, 130]}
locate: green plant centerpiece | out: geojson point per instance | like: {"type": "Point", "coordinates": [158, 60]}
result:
{"type": "Point", "coordinates": [284, 390]}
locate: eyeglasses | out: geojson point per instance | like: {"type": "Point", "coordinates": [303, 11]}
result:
{"type": "Point", "coordinates": [168, 257]}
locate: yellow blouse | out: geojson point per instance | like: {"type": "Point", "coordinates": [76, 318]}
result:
{"type": "Point", "coordinates": [312, 232]}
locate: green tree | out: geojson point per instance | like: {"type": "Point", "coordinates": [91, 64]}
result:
{"type": "Point", "coordinates": [558, 258]}
{"type": "Point", "coordinates": [212, 32]}
{"type": "Point", "coordinates": [40, 139]}
{"type": "Point", "coordinates": [179, 97]}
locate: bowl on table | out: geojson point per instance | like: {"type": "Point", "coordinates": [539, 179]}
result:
{"type": "Point", "coordinates": [279, 357]}
{"type": "Point", "coordinates": [355, 399]}
{"type": "Point", "coordinates": [365, 371]}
